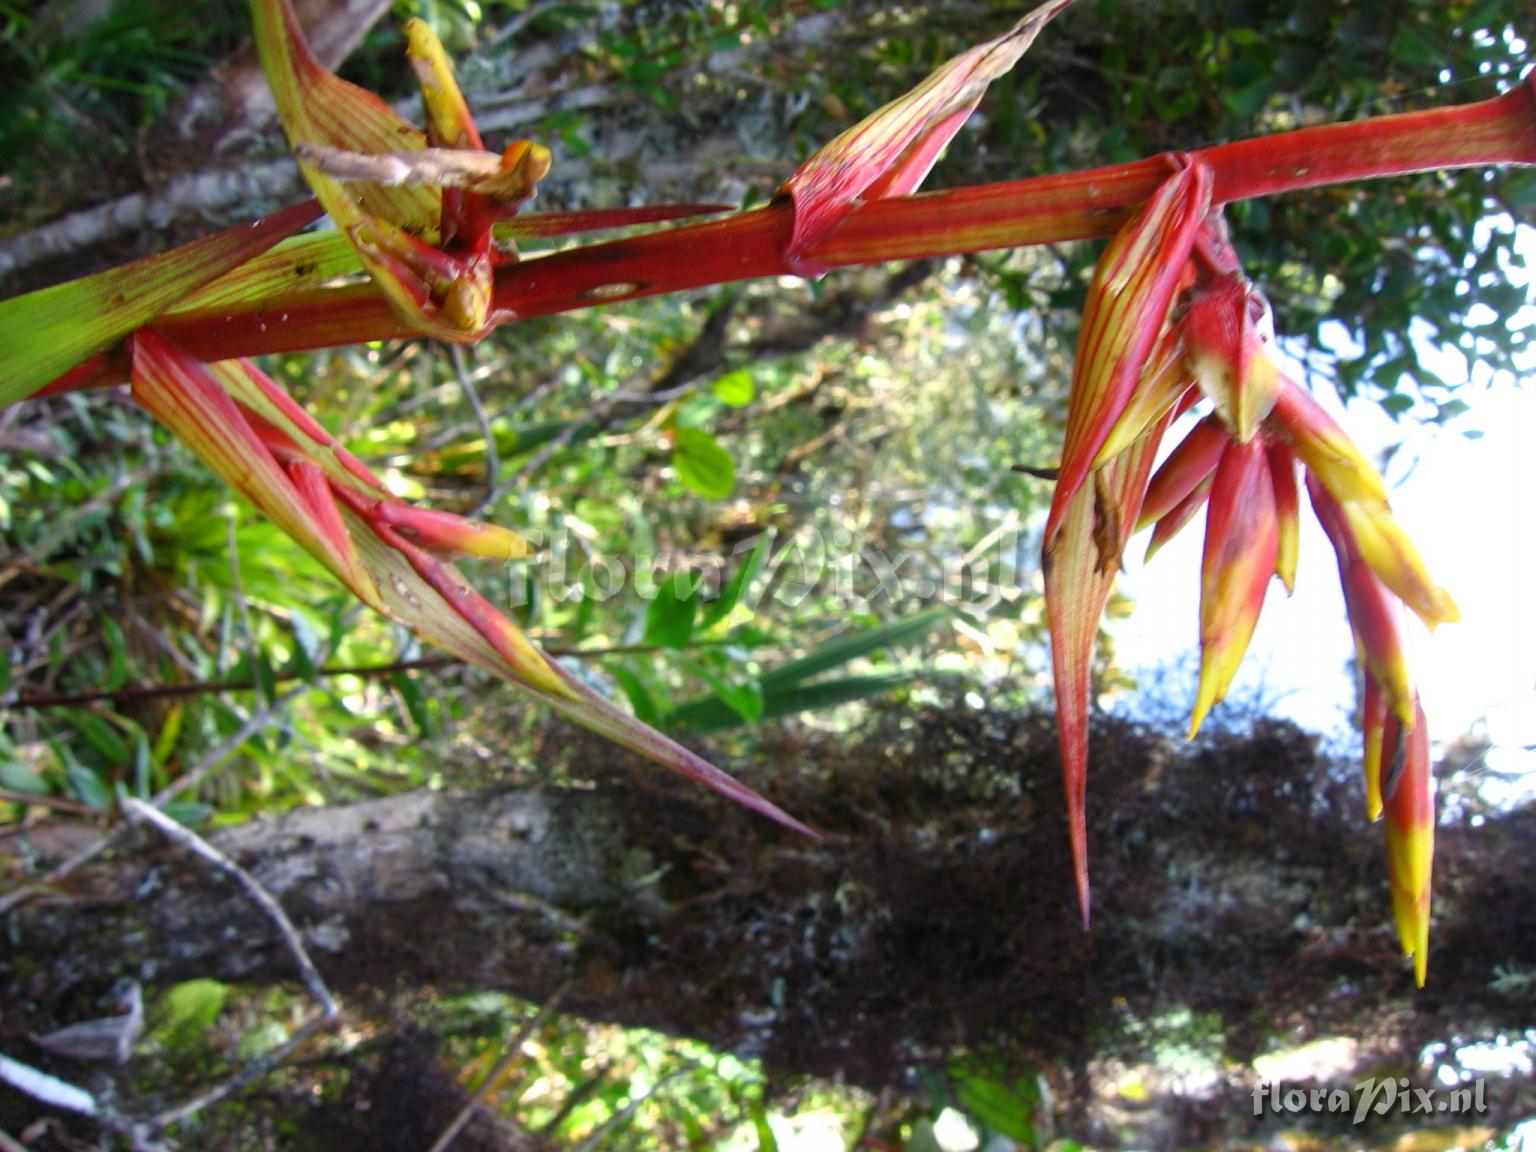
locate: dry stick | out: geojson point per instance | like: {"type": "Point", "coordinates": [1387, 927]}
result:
{"type": "Point", "coordinates": [184, 837]}
{"type": "Point", "coordinates": [513, 1052]}
{"type": "Point", "coordinates": [207, 687]}
{"type": "Point", "coordinates": [48, 1089]}
{"type": "Point", "coordinates": [56, 803]}
{"type": "Point", "coordinates": [137, 810]}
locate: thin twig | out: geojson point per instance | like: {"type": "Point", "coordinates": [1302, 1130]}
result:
{"type": "Point", "coordinates": [55, 802]}
{"type": "Point", "coordinates": [472, 398]}
{"type": "Point", "coordinates": [330, 1011]}
{"type": "Point", "coordinates": [576, 1097]}
{"type": "Point", "coordinates": [212, 760]}
{"type": "Point", "coordinates": [185, 838]}
{"type": "Point", "coordinates": [624, 1114]}
{"type": "Point", "coordinates": [493, 1078]}
{"type": "Point", "coordinates": [515, 25]}
{"type": "Point", "coordinates": [208, 687]}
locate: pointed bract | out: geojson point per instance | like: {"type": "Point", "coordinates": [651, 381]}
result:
{"type": "Point", "coordinates": [892, 150]}
{"type": "Point", "coordinates": [1080, 564]}
{"type": "Point", "coordinates": [419, 207]}
{"type": "Point", "coordinates": [1127, 306]}
{"type": "Point", "coordinates": [1165, 386]}
{"type": "Point", "coordinates": [1224, 340]}
{"type": "Point", "coordinates": [1408, 793]}
{"type": "Point", "coordinates": [1373, 615]}
{"type": "Point", "coordinates": [185, 396]}
{"type": "Point", "coordinates": [1173, 521]}
{"type": "Point", "coordinates": [1373, 722]}
{"type": "Point", "coordinates": [327, 501]}
{"type": "Point", "coordinates": [1241, 541]}
{"type": "Point", "coordinates": [449, 124]}
{"type": "Point", "coordinates": [1282, 475]}
{"type": "Point", "coordinates": [46, 333]}
{"type": "Point", "coordinates": [1361, 494]}
{"type": "Point", "coordinates": [1186, 468]}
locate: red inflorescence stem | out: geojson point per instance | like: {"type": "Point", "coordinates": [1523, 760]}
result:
{"type": "Point", "coordinates": [751, 245]}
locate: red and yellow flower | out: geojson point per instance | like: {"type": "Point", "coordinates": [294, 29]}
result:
{"type": "Point", "coordinates": [1172, 323]}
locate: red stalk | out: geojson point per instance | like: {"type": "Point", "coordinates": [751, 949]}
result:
{"type": "Point", "coordinates": [751, 245]}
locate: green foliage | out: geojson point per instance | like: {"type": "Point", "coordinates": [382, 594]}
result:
{"type": "Point", "coordinates": [702, 464]}
{"type": "Point", "coordinates": [185, 1013]}
{"type": "Point", "coordinates": [1017, 1107]}
{"type": "Point", "coordinates": [82, 79]}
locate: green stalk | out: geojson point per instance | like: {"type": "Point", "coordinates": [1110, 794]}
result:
{"type": "Point", "coordinates": [752, 245]}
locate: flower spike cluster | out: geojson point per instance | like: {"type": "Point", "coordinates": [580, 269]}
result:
{"type": "Point", "coordinates": [1172, 323]}
{"type": "Point", "coordinates": [392, 556]}
{"type": "Point", "coordinates": [429, 214]}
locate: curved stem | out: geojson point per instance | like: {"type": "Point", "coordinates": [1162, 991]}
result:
{"type": "Point", "coordinates": [753, 244]}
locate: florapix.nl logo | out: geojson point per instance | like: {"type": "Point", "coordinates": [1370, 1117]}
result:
{"type": "Point", "coordinates": [1376, 1096]}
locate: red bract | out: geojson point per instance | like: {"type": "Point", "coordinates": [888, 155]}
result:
{"type": "Point", "coordinates": [1242, 538]}
{"type": "Point", "coordinates": [890, 152]}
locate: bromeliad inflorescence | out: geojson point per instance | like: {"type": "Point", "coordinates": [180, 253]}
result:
{"type": "Point", "coordinates": [1172, 322]}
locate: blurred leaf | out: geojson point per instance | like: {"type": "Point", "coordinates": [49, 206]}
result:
{"type": "Point", "coordinates": [766, 1141]}
{"type": "Point", "coordinates": [187, 1012]}
{"type": "Point", "coordinates": [19, 778]}
{"type": "Point", "coordinates": [669, 617]}
{"type": "Point", "coordinates": [88, 787]}
{"type": "Point", "coordinates": [1003, 1105]}
{"type": "Point", "coordinates": [639, 696]}
{"type": "Point", "coordinates": [415, 703]}
{"type": "Point", "coordinates": [308, 645]}
{"type": "Point", "coordinates": [853, 645]}
{"type": "Point", "coordinates": [731, 594]}
{"type": "Point", "coordinates": [188, 813]}
{"type": "Point", "coordinates": [117, 659]}
{"type": "Point", "coordinates": [702, 464]}
{"type": "Point", "coordinates": [170, 732]}
{"type": "Point", "coordinates": [711, 714]}
{"type": "Point", "coordinates": [101, 735]}
{"type": "Point", "coordinates": [745, 697]}
{"type": "Point", "coordinates": [735, 388]}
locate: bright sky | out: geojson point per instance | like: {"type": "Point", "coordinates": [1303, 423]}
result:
{"type": "Point", "coordinates": [1468, 505]}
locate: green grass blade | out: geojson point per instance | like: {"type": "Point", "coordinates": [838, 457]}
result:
{"type": "Point", "coordinates": [837, 652]}
{"type": "Point", "coordinates": [712, 714]}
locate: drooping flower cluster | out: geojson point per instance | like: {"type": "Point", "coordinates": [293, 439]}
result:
{"type": "Point", "coordinates": [1172, 322]}
{"type": "Point", "coordinates": [392, 556]}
